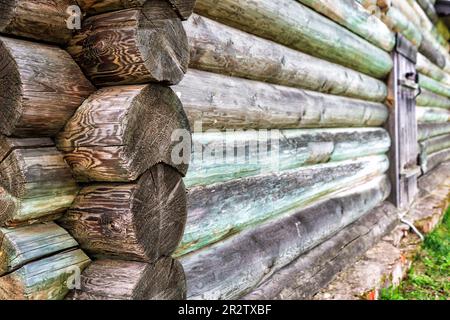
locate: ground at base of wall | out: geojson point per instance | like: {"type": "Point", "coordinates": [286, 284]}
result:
{"type": "Point", "coordinates": [389, 262]}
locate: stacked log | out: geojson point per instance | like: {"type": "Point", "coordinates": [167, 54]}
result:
{"type": "Point", "coordinates": [42, 87]}
{"type": "Point", "coordinates": [131, 212]}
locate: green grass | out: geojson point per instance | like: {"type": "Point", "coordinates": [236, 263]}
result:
{"type": "Point", "coordinates": [429, 277]}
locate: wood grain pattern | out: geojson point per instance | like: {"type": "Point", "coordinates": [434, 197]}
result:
{"type": "Point", "coordinates": [221, 49]}
{"type": "Point", "coordinates": [34, 183]}
{"type": "Point", "coordinates": [356, 18]}
{"type": "Point", "coordinates": [120, 132]}
{"type": "Point", "coordinates": [222, 102]}
{"type": "Point", "coordinates": [236, 266]}
{"type": "Point", "coordinates": [43, 20]}
{"type": "Point", "coordinates": [311, 272]}
{"type": "Point", "coordinates": [183, 8]}
{"type": "Point", "coordinates": [40, 88]}
{"type": "Point", "coordinates": [429, 130]}
{"type": "Point", "coordinates": [433, 160]}
{"type": "Point", "coordinates": [296, 26]}
{"type": "Point", "coordinates": [133, 46]}
{"type": "Point", "coordinates": [19, 246]}
{"type": "Point", "coordinates": [127, 280]}
{"type": "Point", "coordinates": [221, 210]}
{"type": "Point", "coordinates": [45, 279]}
{"type": "Point", "coordinates": [435, 144]}
{"type": "Point", "coordinates": [253, 154]}
{"type": "Point", "coordinates": [141, 221]}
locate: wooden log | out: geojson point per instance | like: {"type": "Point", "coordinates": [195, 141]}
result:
{"type": "Point", "coordinates": [141, 221]}
{"type": "Point", "coordinates": [46, 279]}
{"type": "Point", "coordinates": [429, 9]}
{"type": "Point", "coordinates": [34, 184]}
{"type": "Point", "coordinates": [276, 151]}
{"type": "Point", "coordinates": [434, 86]}
{"type": "Point", "coordinates": [41, 88]}
{"type": "Point", "coordinates": [221, 102]}
{"type": "Point", "coordinates": [133, 46]}
{"type": "Point", "coordinates": [430, 99]}
{"type": "Point", "coordinates": [397, 22]}
{"type": "Point", "coordinates": [405, 7]}
{"type": "Point", "coordinates": [127, 280]}
{"type": "Point", "coordinates": [300, 28]}
{"type": "Point", "coordinates": [43, 20]}
{"type": "Point", "coordinates": [426, 67]}
{"type": "Point", "coordinates": [8, 144]}
{"type": "Point", "coordinates": [435, 144]}
{"type": "Point", "coordinates": [19, 246]}
{"type": "Point", "coordinates": [218, 211]}
{"type": "Point", "coordinates": [312, 271]}
{"type": "Point", "coordinates": [433, 160]}
{"type": "Point", "coordinates": [356, 18]}
{"type": "Point", "coordinates": [222, 49]}
{"type": "Point", "coordinates": [432, 115]}
{"type": "Point", "coordinates": [183, 8]}
{"type": "Point", "coordinates": [429, 130]}
{"type": "Point", "coordinates": [234, 267]}
{"type": "Point", "coordinates": [120, 132]}
{"type": "Point", "coordinates": [429, 50]}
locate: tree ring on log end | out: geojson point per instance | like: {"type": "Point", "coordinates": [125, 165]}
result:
{"type": "Point", "coordinates": [121, 132]}
{"type": "Point", "coordinates": [139, 221]}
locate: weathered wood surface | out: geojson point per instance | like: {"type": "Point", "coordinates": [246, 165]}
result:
{"type": "Point", "coordinates": [128, 280]}
{"type": "Point", "coordinates": [311, 272]}
{"type": "Point", "coordinates": [356, 18]}
{"type": "Point", "coordinates": [222, 102]}
{"type": "Point", "coordinates": [141, 221]}
{"type": "Point", "coordinates": [398, 22]}
{"type": "Point", "coordinates": [218, 211]}
{"type": "Point", "coordinates": [120, 132]}
{"type": "Point", "coordinates": [25, 244]}
{"type": "Point", "coordinates": [429, 162]}
{"type": "Point", "coordinates": [428, 8]}
{"type": "Point", "coordinates": [221, 49]}
{"type": "Point", "coordinates": [276, 151]}
{"type": "Point", "coordinates": [432, 115]}
{"type": "Point", "coordinates": [133, 46]}
{"type": "Point", "coordinates": [431, 50]}
{"type": "Point", "coordinates": [435, 144]}
{"type": "Point", "coordinates": [434, 86]}
{"type": "Point", "coordinates": [46, 279]}
{"type": "Point", "coordinates": [236, 266]}
{"type": "Point", "coordinates": [431, 99]}
{"type": "Point", "coordinates": [34, 183]}
{"type": "Point", "coordinates": [429, 69]}
{"type": "Point", "coordinates": [41, 87]}
{"type": "Point", "coordinates": [8, 144]}
{"type": "Point", "coordinates": [43, 20]}
{"type": "Point", "coordinates": [429, 130]}
{"type": "Point", "coordinates": [300, 28]}
{"type": "Point", "coordinates": [183, 8]}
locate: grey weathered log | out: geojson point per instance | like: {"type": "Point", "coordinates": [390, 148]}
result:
{"type": "Point", "coordinates": [19, 246]}
{"type": "Point", "coordinates": [435, 144]}
{"type": "Point", "coordinates": [260, 152]}
{"type": "Point", "coordinates": [296, 26]}
{"type": "Point", "coordinates": [397, 21]}
{"type": "Point", "coordinates": [139, 221]}
{"type": "Point", "coordinates": [46, 279]}
{"type": "Point", "coordinates": [183, 8]}
{"type": "Point", "coordinates": [120, 132]}
{"type": "Point", "coordinates": [429, 130]}
{"type": "Point", "coordinates": [236, 266]}
{"type": "Point", "coordinates": [35, 185]}
{"type": "Point", "coordinates": [432, 85]}
{"type": "Point", "coordinates": [43, 20]}
{"type": "Point", "coordinates": [429, 50]}
{"type": "Point", "coordinates": [127, 280]}
{"type": "Point", "coordinates": [433, 160]}
{"type": "Point", "coordinates": [40, 88]}
{"type": "Point", "coordinates": [132, 46]}
{"type": "Point", "coordinates": [430, 99]}
{"type": "Point", "coordinates": [432, 115]}
{"type": "Point", "coordinates": [220, 102]}
{"type": "Point", "coordinates": [221, 49]}
{"type": "Point", "coordinates": [312, 271]}
{"type": "Point", "coordinates": [218, 211]}
{"type": "Point", "coordinates": [428, 8]}
{"type": "Point", "coordinates": [429, 69]}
